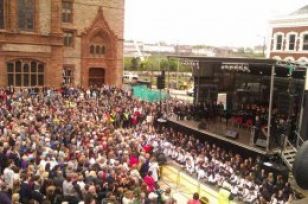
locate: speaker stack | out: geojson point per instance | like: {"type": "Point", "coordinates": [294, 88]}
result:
{"type": "Point", "coordinates": [161, 81]}
{"type": "Point", "coordinates": [261, 143]}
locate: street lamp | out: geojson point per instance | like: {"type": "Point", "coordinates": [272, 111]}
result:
{"type": "Point", "coordinates": [263, 44]}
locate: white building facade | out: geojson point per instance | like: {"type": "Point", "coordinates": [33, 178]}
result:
{"type": "Point", "coordinates": [289, 37]}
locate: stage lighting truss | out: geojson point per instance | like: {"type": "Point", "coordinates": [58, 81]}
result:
{"type": "Point", "coordinates": [189, 62]}
{"type": "Point", "coordinates": [239, 67]}
{"type": "Point", "coordinates": [194, 64]}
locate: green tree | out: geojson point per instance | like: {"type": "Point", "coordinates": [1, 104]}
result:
{"type": "Point", "coordinates": [127, 63]}
{"type": "Point", "coordinates": [135, 63]}
{"type": "Point", "coordinates": [173, 65]}
{"type": "Point", "coordinates": [164, 64]}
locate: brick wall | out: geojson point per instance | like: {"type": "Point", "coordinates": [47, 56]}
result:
{"type": "Point", "coordinates": [49, 34]}
{"type": "Point", "coordinates": [284, 53]}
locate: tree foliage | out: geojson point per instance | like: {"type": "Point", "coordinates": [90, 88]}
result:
{"type": "Point", "coordinates": [155, 63]}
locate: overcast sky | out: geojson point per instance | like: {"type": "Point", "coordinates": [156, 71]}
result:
{"type": "Point", "coordinates": [210, 22]}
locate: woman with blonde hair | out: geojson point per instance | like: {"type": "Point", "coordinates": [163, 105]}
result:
{"type": "Point", "coordinates": [15, 198]}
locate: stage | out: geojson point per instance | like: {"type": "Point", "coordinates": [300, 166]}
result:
{"type": "Point", "coordinates": [215, 132]}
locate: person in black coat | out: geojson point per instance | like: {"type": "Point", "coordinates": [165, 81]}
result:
{"type": "Point", "coordinates": [37, 195]}
{"type": "Point", "coordinates": [25, 191]}
{"type": "Point", "coordinates": [5, 198]}
{"type": "Point", "coordinates": [145, 168]}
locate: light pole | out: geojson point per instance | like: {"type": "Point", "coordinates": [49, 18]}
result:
{"type": "Point", "coordinates": [263, 44]}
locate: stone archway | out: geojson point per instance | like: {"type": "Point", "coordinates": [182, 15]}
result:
{"type": "Point", "coordinates": [96, 76]}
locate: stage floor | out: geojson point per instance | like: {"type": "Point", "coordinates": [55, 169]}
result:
{"type": "Point", "coordinates": [217, 130]}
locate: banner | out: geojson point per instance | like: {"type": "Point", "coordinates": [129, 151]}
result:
{"type": "Point", "coordinates": [222, 99]}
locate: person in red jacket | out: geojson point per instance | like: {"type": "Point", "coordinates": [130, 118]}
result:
{"type": "Point", "coordinates": [150, 182]}
{"type": "Point", "coordinates": [195, 199]}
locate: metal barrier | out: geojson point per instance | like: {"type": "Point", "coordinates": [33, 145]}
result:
{"type": "Point", "coordinates": [299, 139]}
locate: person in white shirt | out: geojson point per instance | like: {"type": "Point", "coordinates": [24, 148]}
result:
{"type": "Point", "coordinates": [175, 153]}
{"type": "Point", "coordinates": [212, 179]}
{"type": "Point", "coordinates": [134, 173]}
{"type": "Point", "coordinates": [246, 194]}
{"type": "Point", "coordinates": [233, 179]}
{"type": "Point", "coordinates": [170, 151]}
{"type": "Point", "coordinates": [190, 167]}
{"type": "Point", "coordinates": [154, 168]}
{"type": "Point", "coordinates": [253, 195]}
{"type": "Point", "coordinates": [8, 175]}
{"type": "Point", "coordinates": [200, 171]}
{"type": "Point", "coordinates": [234, 191]}
{"type": "Point", "coordinates": [220, 179]}
{"type": "Point", "coordinates": [274, 199]}
{"type": "Point", "coordinates": [181, 158]}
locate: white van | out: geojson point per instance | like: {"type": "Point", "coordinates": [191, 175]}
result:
{"type": "Point", "coordinates": [190, 92]}
{"type": "Point", "coordinates": [130, 78]}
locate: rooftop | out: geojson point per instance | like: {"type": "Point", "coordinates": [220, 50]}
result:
{"type": "Point", "coordinates": [301, 11]}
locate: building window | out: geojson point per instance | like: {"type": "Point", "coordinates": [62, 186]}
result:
{"type": "Point", "coordinates": [68, 39]}
{"type": "Point", "coordinates": [26, 15]}
{"type": "Point", "coordinates": [292, 39]}
{"type": "Point", "coordinates": [103, 50]}
{"type": "Point", "coordinates": [68, 75]}
{"type": "Point", "coordinates": [97, 50]}
{"type": "Point", "coordinates": [92, 49]}
{"type": "Point", "coordinates": [25, 73]}
{"type": "Point", "coordinates": [2, 14]}
{"type": "Point", "coordinates": [305, 42]}
{"type": "Point", "coordinates": [278, 42]}
{"type": "Point", "coordinates": [67, 11]}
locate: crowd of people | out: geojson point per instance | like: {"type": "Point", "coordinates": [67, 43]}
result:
{"type": "Point", "coordinates": [244, 178]}
{"type": "Point", "coordinates": [77, 146]}
{"type": "Point", "coordinates": [99, 146]}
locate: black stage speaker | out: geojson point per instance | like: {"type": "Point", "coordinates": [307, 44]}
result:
{"type": "Point", "coordinates": [231, 134]}
{"type": "Point", "coordinates": [304, 122]}
{"type": "Point", "coordinates": [202, 125]}
{"type": "Point", "coordinates": [300, 166]}
{"type": "Point", "coordinates": [163, 73]}
{"type": "Point", "coordinates": [160, 82]}
{"type": "Point", "coordinates": [261, 143]}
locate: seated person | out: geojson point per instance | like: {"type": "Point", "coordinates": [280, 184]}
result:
{"type": "Point", "coordinates": [252, 195]}
{"type": "Point", "coordinates": [200, 171]}
{"type": "Point", "coordinates": [175, 153]}
{"type": "Point", "coordinates": [190, 167]}
{"type": "Point", "coordinates": [212, 179]}
{"type": "Point", "coordinates": [234, 191]}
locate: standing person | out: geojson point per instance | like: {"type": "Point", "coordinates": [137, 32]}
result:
{"type": "Point", "coordinates": [149, 120]}
{"type": "Point", "coordinates": [154, 168]}
{"type": "Point", "coordinates": [149, 181]}
{"type": "Point", "coordinates": [195, 199]}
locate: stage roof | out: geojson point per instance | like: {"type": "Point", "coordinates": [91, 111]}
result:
{"type": "Point", "coordinates": [227, 59]}
{"type": "Point", "coordinates": [256, 65]}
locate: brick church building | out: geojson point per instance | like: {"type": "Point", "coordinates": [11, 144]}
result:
{"type": "Point", "coordinates": [289, 37]}
{"type": "Point", "coordinates": [55, 42]}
